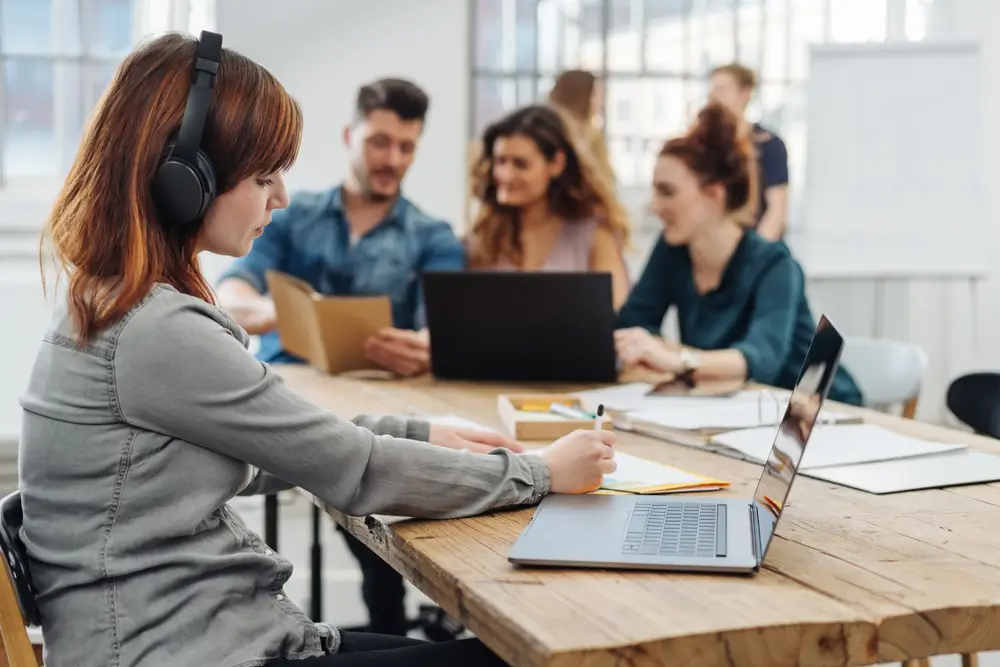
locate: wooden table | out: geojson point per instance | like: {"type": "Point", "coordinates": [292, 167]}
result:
{"type": "Point", "coordinates": [851, 578]}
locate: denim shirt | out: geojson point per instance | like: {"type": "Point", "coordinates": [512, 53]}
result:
{"type": "Point", "coordinates": [311, 241]}
{"type": "Point", "coordinates": [132, 446]}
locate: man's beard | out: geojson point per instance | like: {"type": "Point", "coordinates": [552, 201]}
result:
{"type": "Point", "coordinates": [367, 192]}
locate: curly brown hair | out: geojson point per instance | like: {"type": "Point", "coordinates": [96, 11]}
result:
{"type": "Point", "coordinates": [580, 191]}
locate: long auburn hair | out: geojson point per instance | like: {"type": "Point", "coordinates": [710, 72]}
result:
{"type": "Point", "coordinates": [104, 231]}
{"type": "Point", "coordinates": [582, 190]}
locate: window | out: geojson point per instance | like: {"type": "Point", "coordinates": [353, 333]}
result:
{"type": "Point", "coordinates": [57, 57]}
{"type": "Point", "coordinates": [654, 56]}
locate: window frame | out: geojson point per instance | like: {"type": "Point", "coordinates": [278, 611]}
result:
{"type": "Point", "coordinates": [783, 83]}
{"type": "Point", "coordinates": [25, 202]}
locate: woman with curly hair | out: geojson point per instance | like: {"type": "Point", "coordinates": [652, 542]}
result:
{"type": "Point", "coordinates": [543, 204]}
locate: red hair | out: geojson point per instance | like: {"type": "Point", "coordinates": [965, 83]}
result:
{"type": "Point", "coordinates": [104, 230]}
{"type": "Point", "coordinates": [718, 152]}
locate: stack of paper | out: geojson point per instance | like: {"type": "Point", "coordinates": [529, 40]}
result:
{"type": "Point", "coordinates": [696, 425]}
{"type": "Point", "coordinates": [633, 474]}
{"type": "Point", "coordinates": [835, 445]}
{"type": "Point", "coordinates": [636, 475]}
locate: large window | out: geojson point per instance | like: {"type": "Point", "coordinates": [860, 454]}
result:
{"type": "Point", "coordinates": [654, 56]}
{"type": "Point", "coordinates": [57, 57]}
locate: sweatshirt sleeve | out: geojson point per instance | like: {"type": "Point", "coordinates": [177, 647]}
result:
{"type": "Point", "coordinates": [179, 370]}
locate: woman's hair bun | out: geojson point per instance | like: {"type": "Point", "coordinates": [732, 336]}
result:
{"type": "Point", "coordinates": [716, 150]}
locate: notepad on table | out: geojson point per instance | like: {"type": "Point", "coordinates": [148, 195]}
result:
{"type": "Point", "coordinates": [833, 445]}
{"type": "Point", "coordinates": [637, 475]}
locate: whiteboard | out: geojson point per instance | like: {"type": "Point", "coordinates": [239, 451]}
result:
{"type": "Point", "coordinates": [894, 159]}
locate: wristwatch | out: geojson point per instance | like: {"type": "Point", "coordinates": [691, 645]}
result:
{"type": "Point", "coordinates": [689, 360]}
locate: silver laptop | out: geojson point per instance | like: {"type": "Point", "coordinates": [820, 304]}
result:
{"type": "Point", "coordinates": [714, 534]}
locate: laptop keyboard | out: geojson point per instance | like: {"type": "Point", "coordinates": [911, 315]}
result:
{"type": "Point", "coordinates": [676, 529]}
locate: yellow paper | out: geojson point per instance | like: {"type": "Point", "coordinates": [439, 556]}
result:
{"type": "Point", "coordinates": [637, 475]}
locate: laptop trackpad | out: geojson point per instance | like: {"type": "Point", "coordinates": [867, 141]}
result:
{"type": "Point", "coordinates": [590, 531]}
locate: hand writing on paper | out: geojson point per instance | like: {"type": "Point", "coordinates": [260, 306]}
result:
{"type": "Point", "coordinates": [638, 347]}
{"type": "Point", "coordinates": [579, 461]}
{"type": "Point", "coordinates": [473, 440]}
{"type": "Point", "coordinates": [404, 352]}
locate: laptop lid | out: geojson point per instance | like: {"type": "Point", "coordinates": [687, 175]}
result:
{"type": "Point", "coordinates": [527, 326]}
{"type": "Point", "coordinates": [793, 432]}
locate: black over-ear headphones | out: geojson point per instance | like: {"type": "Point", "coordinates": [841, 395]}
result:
{"type": "Point", "coordinates": [184, 185]}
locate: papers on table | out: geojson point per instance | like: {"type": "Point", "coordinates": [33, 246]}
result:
{"type": "Point", "coordinates": [841, 449]}
{"type": "Point", "coordinates": [835, 445]}
{"type": "Point", "coordinates": [637, 475]}
{"type": "Point", "coordinates": [936, 471]}
{"type": "Point", "coordinates": [456, 422]}
{"type": "Point", "coordinates": [726, 416]}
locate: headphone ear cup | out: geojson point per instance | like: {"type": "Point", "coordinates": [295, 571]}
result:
{"type": "Point", "coordinates": [183, 191]}
{"type": "Point", "coordinates": [207, 173]}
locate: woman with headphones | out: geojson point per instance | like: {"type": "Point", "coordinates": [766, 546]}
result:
{"type": "Point", "coordinates": [145, 413]}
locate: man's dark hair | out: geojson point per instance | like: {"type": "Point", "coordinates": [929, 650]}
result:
{"type": "Point", "coordinates": [403, 97]}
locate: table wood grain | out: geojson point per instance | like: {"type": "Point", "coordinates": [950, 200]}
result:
{"type": "Point", "coordinates": [850, 579]}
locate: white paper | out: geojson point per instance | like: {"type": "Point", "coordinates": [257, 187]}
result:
{"type": "Point", "coordinates": [632, 398]}
{"type": "Point", "coordinates": [635, 472]}
{"type": "Point", "coordinates": [457, 422]}
{"type": "Point", "coordinates": [836, 445]}
{"type": "Point", "coordinates": [936, 471]}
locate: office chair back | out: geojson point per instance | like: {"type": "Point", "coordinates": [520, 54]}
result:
{"type": "Point", "coordinates": [975, 400]}
{"type": "Point", "coordinates": [888, 372]}
{"type": "Point", "coordinates": [17, 598]}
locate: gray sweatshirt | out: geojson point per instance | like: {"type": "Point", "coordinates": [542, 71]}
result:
{"type": "Point", "coordinates": [131, 448]}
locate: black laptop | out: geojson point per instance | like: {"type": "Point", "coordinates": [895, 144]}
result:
{"type": "Point", "coordinates": [523, 326]}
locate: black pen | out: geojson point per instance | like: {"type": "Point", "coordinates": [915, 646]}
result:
{"type": "Point", "coordinates": [599, 418]}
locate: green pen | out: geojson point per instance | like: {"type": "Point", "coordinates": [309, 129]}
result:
{"type": "Point", "coordinates": [572, 413]}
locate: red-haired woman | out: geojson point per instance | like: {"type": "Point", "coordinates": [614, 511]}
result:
{"type": "Point", "coordinates": [145, 413]}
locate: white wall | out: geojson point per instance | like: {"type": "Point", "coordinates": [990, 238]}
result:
{"type": "Point", "coordinates": [334, 48]}
{"type": "Point", "coordinates": [956, 326]}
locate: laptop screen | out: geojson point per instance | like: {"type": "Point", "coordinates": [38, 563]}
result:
{"type": "Point", "coordinates": [796, 426]}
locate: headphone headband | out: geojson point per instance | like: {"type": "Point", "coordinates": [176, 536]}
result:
{"type": "Point", "coordinates": [184, 185]}
{"type": "Point", "coordinates": [206, 67]}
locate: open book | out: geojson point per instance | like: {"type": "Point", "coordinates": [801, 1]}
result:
{"type": "Point", "coordinates": [327, 331]}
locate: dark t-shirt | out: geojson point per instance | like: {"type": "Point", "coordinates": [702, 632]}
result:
{"type": "Point", "coordinates": [772, 162]}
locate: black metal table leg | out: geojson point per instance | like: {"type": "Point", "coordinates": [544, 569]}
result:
{"type": "Point", "coordinates": [271, 521]}
{"type": "Point", "coordinates": [316, 563]}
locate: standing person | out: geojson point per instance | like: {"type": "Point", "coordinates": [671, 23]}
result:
{"type": "Point", "coordinates": [732, 86]}
{"type": "Point", "coordinates": [360, 237]}
{"type": "Point", "coordinates": [145, 414]}
{"type": "Point", "coordinates": [580, 94]}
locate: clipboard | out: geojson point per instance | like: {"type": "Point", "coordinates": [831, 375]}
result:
{"type": "Point", "coordinates": [327, 331]}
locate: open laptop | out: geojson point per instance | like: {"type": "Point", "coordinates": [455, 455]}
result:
{"type": "Point", "coordinates": [710, 534]}
{"type": "Point", "coordinates": [521, 326]}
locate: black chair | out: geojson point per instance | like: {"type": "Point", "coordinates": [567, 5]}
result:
{"type": "Point", "coordinates": [17, 597]}
{"type": "Point", "coordinates": [975, 400]}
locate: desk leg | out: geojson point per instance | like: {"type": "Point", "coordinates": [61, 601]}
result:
{"type": "Point", "coordinates": [316, 565]}
{"type": "Point", "coordinates": [271, 521]}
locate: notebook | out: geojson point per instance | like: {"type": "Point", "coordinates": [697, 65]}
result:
{"type": "Point", "coordinates": [936, 471]}
{"type": "Point", "coordinates": [698, 425]}
{"type": "Point", "coordinates": [641, 476]}
{"type": "Point", "coordinates": [835, 445]}
{"type": "Point", "coordinates": [634, 474]}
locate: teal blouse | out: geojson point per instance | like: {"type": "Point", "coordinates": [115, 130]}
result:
{"type": "Point", "coordinates": [759, 308]}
